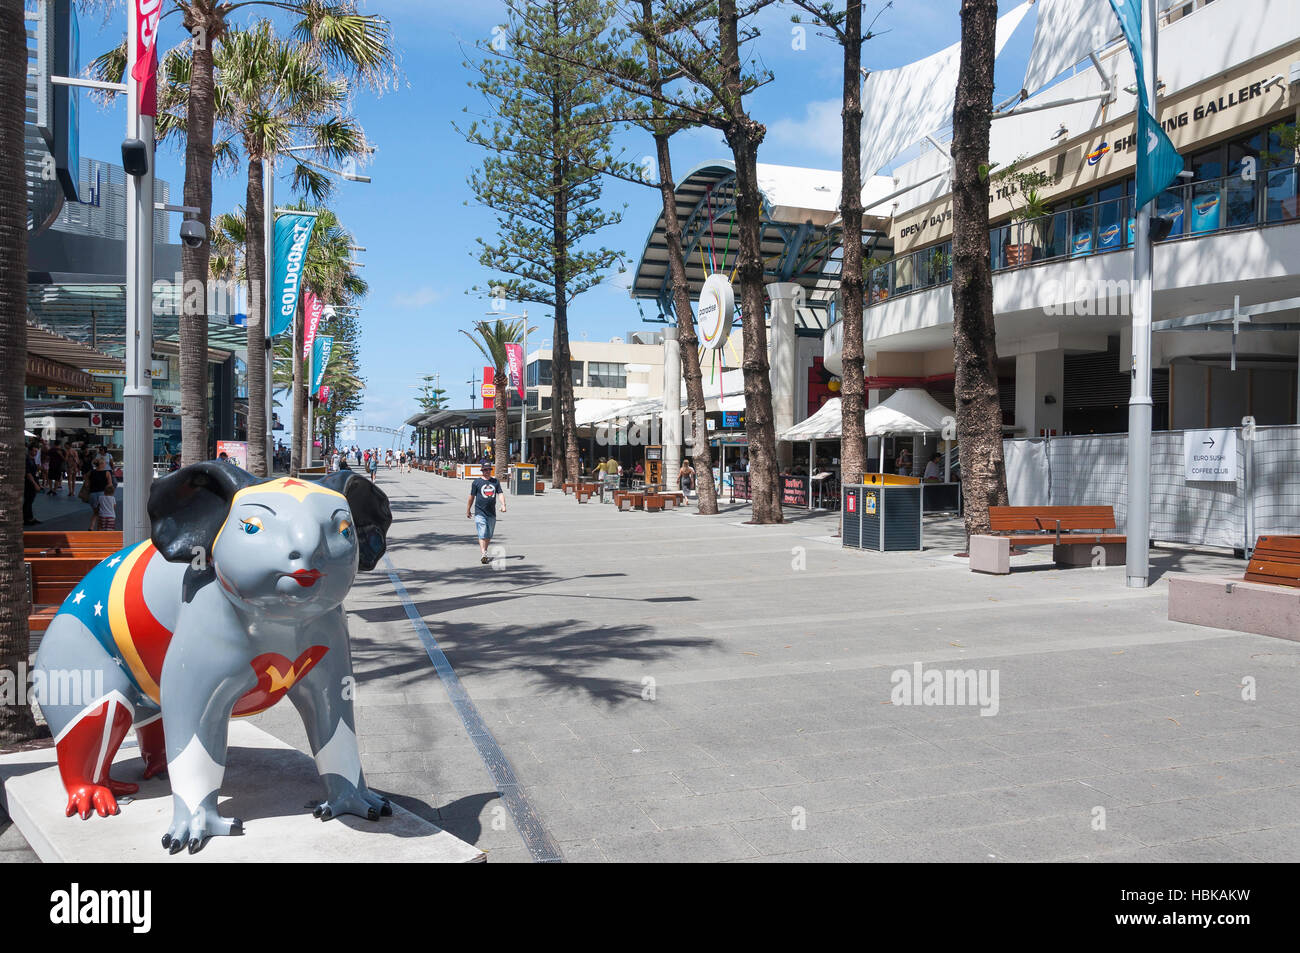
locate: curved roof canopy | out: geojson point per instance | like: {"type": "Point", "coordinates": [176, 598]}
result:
{"type": "Point", "coordinates": [800, 234]}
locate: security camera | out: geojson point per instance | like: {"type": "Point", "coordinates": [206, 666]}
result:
{"type": "Point", "coordinates": [193, 234]}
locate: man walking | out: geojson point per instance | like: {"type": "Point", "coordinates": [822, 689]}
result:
{"type": "Point", "coordinates": [482, 506]}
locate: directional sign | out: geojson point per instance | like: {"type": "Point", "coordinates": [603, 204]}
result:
{"type": "Point", "coordinates": [1210, 456]}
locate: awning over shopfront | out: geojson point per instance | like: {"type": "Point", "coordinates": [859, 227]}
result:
{"type": "Point", "coordinates": [909, 411]}
{"type": "Point", "coordinates": [826, 424]}
{"type": "Point", "coordinates": [59, 362]}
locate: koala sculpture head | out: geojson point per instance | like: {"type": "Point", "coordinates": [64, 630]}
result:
{"type": "Point", "coordinates": [286, 548]}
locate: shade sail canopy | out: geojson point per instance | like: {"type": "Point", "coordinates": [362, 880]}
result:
{"type": "Point", "coordinates": [902, 106]}
{"type": "Point", "coordinates": [910, 410]}
{"type": "Point", "coordinates": [1065, 33]}
{"type": "Point", "coordinates": [826, 424]}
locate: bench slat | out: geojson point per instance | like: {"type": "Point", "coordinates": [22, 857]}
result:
{"type": "Point", "coordinates": [1068, 539]}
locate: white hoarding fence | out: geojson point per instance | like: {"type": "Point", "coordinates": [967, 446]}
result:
{"type": "Point", "coordinates": [1219, 488]}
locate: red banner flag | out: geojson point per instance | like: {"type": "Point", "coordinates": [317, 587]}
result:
{"type": "Point", "coordinates": [313, 307]}
{"type": "Point", "coordinates": [145, 68]}
{"type": "Point", "coordinates": [489, 388]}
{"type": "Point", "coordinates": [515, 355]}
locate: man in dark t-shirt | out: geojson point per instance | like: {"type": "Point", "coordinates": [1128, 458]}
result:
{"type": "Point", "coordinates": [482, 506]}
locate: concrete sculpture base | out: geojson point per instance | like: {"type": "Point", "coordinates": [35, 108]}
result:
{"type": "Point", "coordinates": [270, 782]}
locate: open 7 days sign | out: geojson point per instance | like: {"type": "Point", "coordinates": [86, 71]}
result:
{"type": "Point", "coordinates": [1210, 456]}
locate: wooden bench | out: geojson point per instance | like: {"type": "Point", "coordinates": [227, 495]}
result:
{"type": "Point", "coordinates": [49, 582]}
{"type": "Point", "coordinates": [1275, 561]}
{"type": "Point", "coordinates": [1064, 528]}
{"type": "Point", "coordinates": [85, 544]}
{"type": "Point", "coordinates": [628, 500]}
{"type": "Point", "coordinates": [1265, 601]}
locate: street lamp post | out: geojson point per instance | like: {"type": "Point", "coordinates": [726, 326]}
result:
{"type": "Point", "coordinates": [137, 394]}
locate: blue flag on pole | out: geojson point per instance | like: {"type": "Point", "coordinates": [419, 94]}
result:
{"type": "Point", "coordinates": [321, 349]}
{"type": "Point", "coordinates": [292, 233]}
{"type": "Point", "coordinates": [1158, 162]}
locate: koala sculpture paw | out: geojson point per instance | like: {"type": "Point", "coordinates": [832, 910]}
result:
{"type": "Point", "coordinates": [196, 830]}
{"type": "Point", "coordinates": [362, 803]}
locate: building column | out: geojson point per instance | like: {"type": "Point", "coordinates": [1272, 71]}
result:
{"type": "Point", "coordinates": [783, 361]}
{"type": "Point", "coordinates": [671, 435]}
{"type": "Point", "coordinates": [1040, 376]}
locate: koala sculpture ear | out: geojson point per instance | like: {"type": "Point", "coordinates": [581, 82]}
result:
{"type": "Point", "coordinates": [370, 510]}
{"type": "Point", "coordinates": [188, 508]}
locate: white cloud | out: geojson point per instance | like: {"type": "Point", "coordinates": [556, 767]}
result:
{"type": "Point", "coordinates": [414, 300]}
{"type": "Point", "coordinates": [820, 130]}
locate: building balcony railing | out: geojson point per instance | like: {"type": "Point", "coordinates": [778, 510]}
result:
{"type": "Point", "coordinates": [1192, 210]}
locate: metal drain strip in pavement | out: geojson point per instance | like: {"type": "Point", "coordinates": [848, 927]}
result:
{"type": "Point", "coordinates": [530, 827]}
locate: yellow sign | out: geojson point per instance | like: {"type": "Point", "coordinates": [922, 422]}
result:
{"type": "Point", "coordinates": [870, 504]}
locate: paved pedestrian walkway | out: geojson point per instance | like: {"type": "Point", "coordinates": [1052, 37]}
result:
{"type": "Point", "coordinates": [666, 686]}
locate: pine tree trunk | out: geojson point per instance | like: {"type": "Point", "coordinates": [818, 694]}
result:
{"type": "Point", "coordinates": [562, 388]}
{"type": "Point", "coordinates": [743, 136]}
{"type": "Point", "coordinates": [559, 474]}
{"type": "Point", "coordinates": [979, 416]}
{"type": "Point", "coordinates": [195, 441]}
{"type": "Point", "coordinates": [16, 722]}
{"type": "Point", "coordinates": [255, 266]}
{"type": "Point", "coordinates": [688, 341]}
{"type": "Point", "coordinates": [853, 445]}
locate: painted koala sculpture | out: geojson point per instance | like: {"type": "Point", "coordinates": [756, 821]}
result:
{"type": "Point", "coordinates": [234, 603]}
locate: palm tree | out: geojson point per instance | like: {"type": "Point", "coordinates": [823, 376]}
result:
{"type": "Point", "coordinates": [16, 723]}
{"type": "Point", "coordinates": [333, 32]}
{"type": "Point", "coordinates": [491, 337]}
{"type": "Point", "coordinates": [271, 96]}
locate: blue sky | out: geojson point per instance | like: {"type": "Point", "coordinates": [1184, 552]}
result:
{"type": "Point", "coordinates": [413, 218]}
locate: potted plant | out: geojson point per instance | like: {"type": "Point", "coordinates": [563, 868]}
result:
{"type": "Point", "coordinates": [1025, 188]}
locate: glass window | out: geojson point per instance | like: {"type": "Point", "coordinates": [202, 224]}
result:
{"type": "Point", "coordinates": [539, 373]}
{"type": "Point", "coordinates": [1207, 165]}
{"type": "Point", "coordinates": [607, 375]}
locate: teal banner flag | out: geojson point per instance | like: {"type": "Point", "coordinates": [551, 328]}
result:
{"type": "Point", "coordinates": [292, 233]}
{"type": "Point", "coordinates": [1158, 162]}
{"type": "Point", "coordinates": [321, 349]}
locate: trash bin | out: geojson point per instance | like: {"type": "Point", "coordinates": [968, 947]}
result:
{"type": "Point", "coordinates": [523, 479]}
{"type": "Point", "coordinates": [887, 517]}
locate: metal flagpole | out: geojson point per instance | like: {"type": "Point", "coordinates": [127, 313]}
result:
{"type": "Point", "coordinates": [1138, 523]}
{"type": "Point", "coordinates": [309, 360]}
{"type": "Point", "coordinates": [137, 394]}
{"type": "Point", "coordinates": [523, 404]}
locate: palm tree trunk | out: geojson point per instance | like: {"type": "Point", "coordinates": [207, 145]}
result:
{"type": "Point", "coordinates": [16, 722]}
{"type": "Point", "coordinates": [501, 404]}
{"type": "Point", "coordinates": [979, 416]}
{"type": "Point", "coordinates": [255, 266]}
{"type": "Point", "coordinates": [195, 444]}
{"type": "Point", "coordinates": [743, 136]}
{"type": "Point", "coordinates": [853, 449]}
